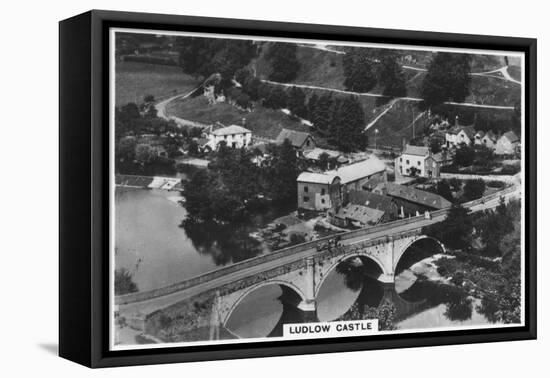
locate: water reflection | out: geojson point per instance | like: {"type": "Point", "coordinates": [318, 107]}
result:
{"type": "Point", "coordinates": [152, 244]}
{"type": "Point", "coordinates": [421, 304]}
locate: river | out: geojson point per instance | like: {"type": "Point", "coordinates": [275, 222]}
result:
{"type": "Point", "coordinates": [153, 247]}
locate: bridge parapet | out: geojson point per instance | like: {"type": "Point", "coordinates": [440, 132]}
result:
{"type": "Point", "coordinates": [209, 276]}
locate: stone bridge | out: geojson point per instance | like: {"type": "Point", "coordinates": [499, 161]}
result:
{"type": "Point", "coordinates": [199, 308]}
{"type": "Point", "coordinates": [203, 315]}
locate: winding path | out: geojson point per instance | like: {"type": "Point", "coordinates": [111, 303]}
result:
{"type": "Point", "coordinates": [161, 111]}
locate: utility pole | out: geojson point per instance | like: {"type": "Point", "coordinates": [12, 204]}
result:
{"type": "Point", "coordinates": [375, 134]}
{"type": "Point", "coordinates": [412, 106]}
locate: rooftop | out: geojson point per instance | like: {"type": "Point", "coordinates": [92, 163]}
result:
{"type": "Point", "coordinates": [316, 178]}
{"type": "Point", "coordinates": [317, 152]}
{"type": "Point", "coordinates": [362, 169]}
{"type": "Point", "coordinates": [416, 150]}
{"type": "Point", "coordinates": [229, 130]}
{"type": "Point", "coordinates": [296, 138]}
{"type": "Point", "coordinates": [511, 136]}
{"type": "Point", "coordinates": [372, 200]}
{"type": "Point", "coordinates": [468, 130]}
{"type": "Point", "coordinates": [417, 196]}
{"type": "Point", "coordinates": [362, 214]}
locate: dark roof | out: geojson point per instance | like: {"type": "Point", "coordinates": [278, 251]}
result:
{"type": "Point", "coordinates": [511, 136]}
{"type": "Point", "coordinates": [372, 200]}
{"type": "Point", "coordinates": [491, 135]}
{"type": "Point", "coordinates": [373, 182]}
{"type": "Point", "coordinates": [417, 196]}
{"type": "Point", "coordinates": [361, 214]}
{"type": "Point", "coordinates": [468, 130]}
{"type": "Point", "coordinates": [296, 138]}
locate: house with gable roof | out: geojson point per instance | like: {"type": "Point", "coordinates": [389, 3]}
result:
{"type": "Point", "coordinates": [459, 135]}
{"type": "Point", "coordinates": [301, 141]}
{"type": "Point", "coordinates": [233, 135]}
{"type": "Point", "coordinates": [507, 144]}
{"type": "Point", "coordinates": [318, 191]}
{"type": "Point", "coordinates": [418, 161]}
{"type": "Point", "coordinates": [411, 201]}
{"type": "Point", "coordinates": [489, 140]}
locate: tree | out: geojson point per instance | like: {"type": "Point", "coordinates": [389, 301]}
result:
{"type": "Point", "coordinates": [205, 56]}
{"type": "Point", "coordinates": [474, 189]}
{"type": "Point", "coordinates": [484, 156]}
{"type": "Point", "coordinates": [324, 159]}
{"type": "Point", "coordinates": [444, 190]}
{"type": "Point", "coordinates": [276, 99]}
{"type": "Point", "coordinates": [435, 146]}
{"type": "Point", "coordinates": [321, 112]}
{"type": "Point", "coordinates": [359, 71]}
{"type": "Point", "coordinates": [126, 149]}
{"type": "Point", "coordinates": [145, 154]}
{"type": "Point", "coordinates": [390, 75]}
{"type": "Point", "coordinates": [385, 314]}
{"type": "Point", "coordinates": [464, 156]}
{"type": "Point", "coordinates": [348, 123]}
{"type": "Point", "coordinates": [284, 63]}
{"type": "Point", "coordinates": [296, 102]}
{"type": "Point", "coordinates": [448, 79]}
{"type": "Point", "coordinates": [455, 231]}
{"type": "Point", "coordinates": [124, 283]}
{"type": "Point", "coordinates": [281, 173]}
{"type": "Point", "coordinates": [413, 171]}
{"type": "Point", "coordinates": [193, 149]}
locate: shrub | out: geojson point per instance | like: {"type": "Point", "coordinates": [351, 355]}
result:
{"type": "Point", "coordinates": [124, 283]}
{"type": "Point", "coordinates": [496, 184]}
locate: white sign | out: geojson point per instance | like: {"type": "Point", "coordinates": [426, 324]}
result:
{"type": "Point", "coordinates": [330, 329]}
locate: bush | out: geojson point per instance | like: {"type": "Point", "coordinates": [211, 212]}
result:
{"type": "Point", "coordinates": [510, 169]}
{"type": "Point", "coordinates": [496, 184]}
{"type": "Point", "coordinates": [124, 283]}
{"type": "Point", "coordinates": [474, 189]}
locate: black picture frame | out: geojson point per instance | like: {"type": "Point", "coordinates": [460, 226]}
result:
{"type": "Point", "coordinates": [84, 204]}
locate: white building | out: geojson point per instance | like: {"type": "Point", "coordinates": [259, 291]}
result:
{"type": "Point", "coordinates": [418, 161]}
{"type": "Point", "coordinates": [234, 136]}
{"type": "Point", "coordinates": [458, 135]}
{"type": "Point", "coordinates": [507, 144]}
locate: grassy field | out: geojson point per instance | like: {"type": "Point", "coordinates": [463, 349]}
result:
{"type": "Point", "coordinates": [515, 72]}
{"type": "Point", "coordinates": [263, 122]}
{"type": "Point", "coordinates": [396, 124]}
{"type": "Point", "coordinates": [136, 80]}
{"type": "Point", "coordinates": [493, 91]}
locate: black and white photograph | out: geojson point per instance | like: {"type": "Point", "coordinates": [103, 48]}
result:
{"type": "Point", "coordinates": [269, 189]}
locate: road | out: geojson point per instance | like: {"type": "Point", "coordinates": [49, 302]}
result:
{"type": "Point", "coordinates": [155, 303]}
{"type": "Point", "coordinates": [161, 111]}
{"type": "Point", "coordinates": [366, 94]}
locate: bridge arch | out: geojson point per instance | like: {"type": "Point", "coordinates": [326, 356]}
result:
{"type": "Point", "coordinates": [400, 252]}
{"type": "Point", "coordinates": [361, 254]}
{"type": "Point", "coordinates": [249, 290]}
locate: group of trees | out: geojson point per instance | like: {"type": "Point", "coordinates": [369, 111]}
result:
{"type": "Point", "coordinates": [340, 119]}
{"type": "Point", "coordinates": [284, 63]}
{"type": "Point", "coordinates": [205, 56]}
{"type": "Point", "coordinates": [364, 69]}
{"type": "Point", "coordinates": [480, 156]}
{"type": "Point", "coordinates": [233, 186]}
{"type": "Point", "coordinates": [448, 79]}
{"type": "Point", "coordinates": [134, 154]}
{"type": "Point", "coordinates": [498, 232]}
